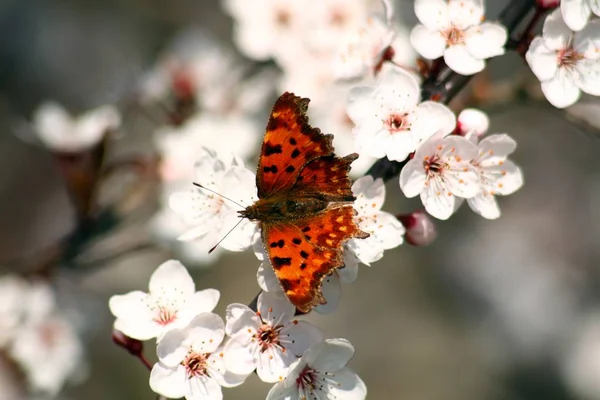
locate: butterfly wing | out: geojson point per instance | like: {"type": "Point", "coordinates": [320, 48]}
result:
{"type": "Point", "coordinates": [289, 144]}
{"type": "Point", "coordinates": [303, 252]}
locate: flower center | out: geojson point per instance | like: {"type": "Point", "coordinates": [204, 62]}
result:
{"type": "Point", "coordinates": [568, 57]}
{"type": "Point", "coordinates": [306, 380]}
{"type": "Point", "coordinates": [398, 122]}
{"type": "Point", "coordinates": [282, 18]}
{"type": "Point", "coordinates": [268, 336]}
{"type": "Point", "coordinates": [433, 165]}
{"type": "Point", "coordinates": [454, 36]}
{"type": "Point", "coordinates": [165, 316]}
{"type": "Point", "coordinates": [195, 364]}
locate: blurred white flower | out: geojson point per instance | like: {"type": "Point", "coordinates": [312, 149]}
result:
{"type": "Point", "coordinates": [577, 13]}
{"type": "Point", "coordinates": [46, 345]}
{"type": "Point", "coordinates": [389, 119]}
{"type": "Point", "coordinates": [498, 176]}
{"type": "Point", "coordinates": [209, 211]}
{"type": "Point", "coordinates": [322, 373]}
{"type": "Point", "coordinates": [266, 28]}
{"type": "Point", "coordinates": [59, 131]}
{"type": "Point", "coordinates": [180, 147]}
{"type": "Point", "coordinates": [171, 302]}
{"type": "Point", "coordinates": [190, 361]}
{"type": "Point", "coordinates": [267, 340]}
{"type": "Point", "coordinates": [565, 62]}
{"type": "Point", "coordinates": [454, 29]}
{"type": "Point", "coordinates": [440, 170]}
{"type": "Point", "coordinates": [12, 291]}
{"type": "Point", "coordinates": [384, 229]}
{"type": "Point", "coordinates": [581, 361]}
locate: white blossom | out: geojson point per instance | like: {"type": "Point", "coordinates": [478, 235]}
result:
{"type": "Point", "coordinates": [322, 374]}
{"type": "Point", "coordinates": [440, 170]}
{"type": "Point", "coordinates": [454, 29]}
{"type": "Point", "coordinates": [577, 13]}
{"type": "Point", "coordinates": [389, 119]}
{"type": "Point", "coordinates": [565, 62]}
{"type": "Point", "coordinates": [12, 291]}
{"type": "Point", "coordinates": [384, 229]}
{"type": "Point", "coordinates": [472, 123]}
{"type": "Point", "coordinates": [190, 361]}
{"type": "Point", "coordinates": [46, 345]}
{"type": "Point", "coordinates": [268, 340]}
{"type": "Point", "coordinates": [210, 212]}
{"type": "Point", "coordinates": [497, 174]}
{"type": "Point", "coordinates": [59, 131]}
{"type": "Point", "coordinates": [171, 302]}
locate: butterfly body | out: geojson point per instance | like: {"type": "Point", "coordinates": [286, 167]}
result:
{"type": "Point", "coordinates": [305, 202]}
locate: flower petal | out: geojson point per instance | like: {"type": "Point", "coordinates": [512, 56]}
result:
{"type": "Point", "coordinates": [205, 332]}
{"type": "Point", "coordinates": [267, 280]}
{"type": "Point", "coordinates": [330, 355]}
{"type": "Point", "coordinates": [437, 200]}
{"type": "Point", "coordinates": [473, 121]}
{"type": "Point", "coordinates": [168, 382]}
{"type": "Point", "coordinates": [427, 42]}
{"type": "Point", "coordinates": [171, 349]}
{"type": "Point", "coordinates": [432, 13]}
{"type": "Point", "coordinates": [171, 278]}
{"type": "Point", "coordinates": [576, 13]}
{"type": "Point", "coordinates": [461, 61]}
{"type": "Point", "coordinates": [239, 354]}
{"type": "Point", "coordinates": [345, 384]}
{"type": "Point", "coordinates": [301, 336]}
{"type": "Point", "coordinates": [412, 178]}
{"type": "Point", "coordinates": [486, 40]}
{"type": "Point", "coordinates": [560, 91]}
{"type": "Point", "coordinates": [274, 309]}
{"type": "Point", "coordinates": [135, 319]}
{"type": "Point", "coordinates": [541, 60]}
{"type": "Point", "coordinates": [241, 319]}
{"type": "Point", "coordinates": [280, 392]}
{"type": "Point", "coordinates": [485, 205]}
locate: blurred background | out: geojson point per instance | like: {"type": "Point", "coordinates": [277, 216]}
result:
{"type": "Point", "coordinates": [504, 309]}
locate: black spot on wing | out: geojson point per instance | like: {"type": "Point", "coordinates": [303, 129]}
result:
{"type": "Point", "coordinates": [280, 243]}
{"type": "Point", "coordinates": [279, 262]}
{"type": "Point", "coordinates": [272, 169]}
{"type": "Point", "coordinates": [272, 149]}
{"type": "Point", "coordinates": [295, 153]}
{"type": "Point", "coordinates": [296, 241]}
{"type": "Point", "coordinates": [290, 169]}
{"type": "Point", "coordinates": [293, 141]}
{"type": "Point", "coordinates": [303, 254]}
{"type": "Point", "coordinates": [303, 266]}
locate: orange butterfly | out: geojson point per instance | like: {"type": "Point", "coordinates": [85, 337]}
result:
{"type": "Point", "coordinates": [304, 202]}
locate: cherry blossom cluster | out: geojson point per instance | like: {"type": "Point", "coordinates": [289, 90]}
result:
{"type": "Point", "coordinates": [199, 353]}
{"type": "Point", "coordinates": [38, 336]}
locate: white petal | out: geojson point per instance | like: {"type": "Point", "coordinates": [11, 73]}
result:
{"type": "Point", "coordinates": [575, 13]}
{"type": "Point", "coordinates": [432, 13]}
{"type": "Point", "coordinates": [200, 302]}
{"type": "Point", "coordinates": [203, 388]}
{"type": "Point", "coordinates": [412, 178]}
{"type": "Point", "coordinates": [486, 40]}
{"type": "Point", "coordinates": [274, 309]}
{"type": "Point", "coordinates": [205, 332]}
{"type": "Point", "coordinates": [437, 200]}
{"type": "Point", "coordinates": [369, 193]}
{"type": "Point", "coordinates": [557, 35]}
{"type": "Point", "coordinates": [386, 232]}
{"type": "Point", "coordinates": [280, 392]}
{"type": "Point", "coordinates": [458, 148]}
{"type": "Point", "coordinates": [587, 41]}
{"type": "Point", "coordinates": [273, 364]}
{"type": "Point", "coordinates": [466, 13]}
{"type": "Point", "coordinates": [443, 118]}
{"type": "Point", "coordinates": [427, 42]}
{"type": "Point", "coordinates": [168, 382]}
{"type": "Point", "coordinates": [510, 177]}
{"type": "Point", "coordinates": [171, 278]}
{"type": "Point", "coordinates": [349, 272]}
{"type": "Point", "coordinates": [485, 205]}
{"type": "Point", "coordinates": [463, 181]}
{"type": "Point", "coordinates": [541, 60]}
{"type": "Point", "coordinates": [495, 146]}
{"type": "Point", "coordinates": [267, 280]}
{"type": "Point", "coordinates": [171, 349]}
{"type": "Point", "coordinates": [241, 319]}
{"type": "Point", "coordinates": [241, 237]}
{"type": "Point", "coordinates": [134, 316]}
{"type": "Point", "coordinates": [239, 355]}
{"type": "Point", "coordinates": [474, 121]}
{"type": "Point", "coordinates": [397, 89]}
{"type": "Point", "coordinates": [302, 336]}
{"type": "Point", "coordinates": [239, 185]}
{"type": "Point", "coordinates": [360, 99]}
{"type": "Point", "coordinates": [332, 291]}
{"type": "Point", "coordinates": [560, 91]}
{"type": "Point", "coordinates": [400, 145]}
{"type": "Point", "coordinates": [347, 385]}
{"type": "Point", "coordinates": [589, 76]}
{"type": "Point", "coordinates": [461, 61]}
{"type": "Point", "coordinates": [330, 355]}
{"type": "Point", "coordinates": [217, 370]}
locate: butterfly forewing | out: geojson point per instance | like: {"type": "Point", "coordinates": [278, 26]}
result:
{"type": "Point", "coordinates": [289, 144]}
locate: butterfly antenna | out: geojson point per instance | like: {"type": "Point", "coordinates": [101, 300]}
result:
{"type": "Point", "coordinates": [223, 238]}
{"type": "Point", "coordinates": [218, 194]}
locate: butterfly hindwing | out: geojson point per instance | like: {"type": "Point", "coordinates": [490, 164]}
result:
{"type": "Point", "coordinates": [326, 177]}
{"type": "Point", "coordinates": [303, 252]}
{"type": "Point", "coordinates": [289, 144]}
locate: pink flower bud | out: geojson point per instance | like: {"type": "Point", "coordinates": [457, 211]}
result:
{"type": "Point", "coordinates": [133, 346]}
{"type": "Point", "coordinates": [420, 229]}
{"type": "Point", "coordinates": [548, 3]}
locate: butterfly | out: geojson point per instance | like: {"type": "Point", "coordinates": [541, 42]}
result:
{"type": "Point", "coordinates": [304, 204]}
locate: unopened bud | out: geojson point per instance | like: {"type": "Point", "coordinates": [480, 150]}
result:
{"type": "Point", "coordinates": [548, 3]}
{"type": "Point", "coordinates": [420, 229]}
{"type": "Point", "coordinates": [133, 346]}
